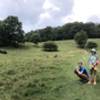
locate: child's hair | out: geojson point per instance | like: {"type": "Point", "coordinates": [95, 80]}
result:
{"type": "Point", "coordinates": [93, 50]}
{"type": "Point", "coordinates": [80, 62]}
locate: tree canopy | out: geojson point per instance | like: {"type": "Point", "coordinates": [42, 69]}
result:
{"type": "Point", "coordinates": [67, 31]}
{"type": "Point", "coordinates": [11, 33]}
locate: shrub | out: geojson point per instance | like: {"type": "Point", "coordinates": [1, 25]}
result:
{"type": "Point", "coordinates": [3, 51]}
{"type": "Point", "coordinates": [35, 39]}
{"type": "Point", "coordinates": [50, 46]}
{"type": "Point", "coordinates": [81, 39]}
{"type": "Point", "coordinates": [91, 45]}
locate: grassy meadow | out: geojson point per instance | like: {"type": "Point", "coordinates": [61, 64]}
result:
{"type": "Point", "coordinates": [29, 73]}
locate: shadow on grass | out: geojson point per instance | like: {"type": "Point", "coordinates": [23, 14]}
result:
{"type": "Point", "coordinates": [83, 81]}
{"type": "Point", "coordinates": [3, 52]}
{"type": "Point", "coordinates": [80, 82]}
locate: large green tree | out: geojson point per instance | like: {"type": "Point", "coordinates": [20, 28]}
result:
{"type": "Point", "coordinates": [11, 32]}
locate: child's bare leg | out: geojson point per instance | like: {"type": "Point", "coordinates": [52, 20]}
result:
{"type": "Point", "coordinates": [82, 76]}
{"type": "Point", "coordinates": [90, 76]}
{"type": "Point", "coordinates": [94, 81]}
{"type": "Point", "coordinates": [94, 78]}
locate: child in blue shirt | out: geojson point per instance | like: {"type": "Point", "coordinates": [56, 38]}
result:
{"type": "Point", "coordinates": [82, 72]}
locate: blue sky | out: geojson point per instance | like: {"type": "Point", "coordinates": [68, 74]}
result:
{"type": "Point", "coordinates": [35, 14]}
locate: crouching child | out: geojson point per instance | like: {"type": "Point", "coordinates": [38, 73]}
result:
{"type": "Point", "coordinates": [82, 72]}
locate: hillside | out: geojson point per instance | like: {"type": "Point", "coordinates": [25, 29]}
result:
{"type": "Point", "coordinates": [29, 73]}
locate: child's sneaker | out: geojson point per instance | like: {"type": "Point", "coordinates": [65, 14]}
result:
{"type": "Point", "coordinates": [89, 82]}
{"type": "Point", "coordinates": [94, 83]}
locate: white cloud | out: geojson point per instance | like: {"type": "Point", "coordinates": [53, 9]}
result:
{"type": "Point", "coordinates": [53, 11]}
{"type": "Point", "coordinates": [45, 15]}
{"type": "Point", "coordinates": [28, 11]}
{"type": "Point", "coordinates": [49, 6]}
{"type": "Point", "coordinates": [70, 18]}
{"type": "Point", "coordinates": [83, 10]}
{"type": "Point", "coordinates": [41, 13]}
{"type": "Point", "coordinates": [86, 8]}
{"type": "Point", "coordinates": [36, 13]}
{"type": "Point", "coordinates": [94, 18]}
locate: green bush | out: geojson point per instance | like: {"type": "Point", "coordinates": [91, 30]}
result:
{"type": "Point", "coordinates": [3, 52]}
{"type": "Point", "coordinates": [81, 39]}
{"type": "Point", "coordinates": [91, 45]}
{"type": "Point", "coordinates": [50, 46]}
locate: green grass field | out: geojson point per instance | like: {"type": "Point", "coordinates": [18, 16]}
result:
{"type": "Point", "coordinates": [29, 73]}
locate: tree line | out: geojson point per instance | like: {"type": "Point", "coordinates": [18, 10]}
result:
{"type": "Point", "coordinates": [66, 31]}
{"type": "Point", "coordinates": [12, 34]}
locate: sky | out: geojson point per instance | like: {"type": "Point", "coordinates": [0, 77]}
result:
{"type": "Point", "coordinates": [37, 14]}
